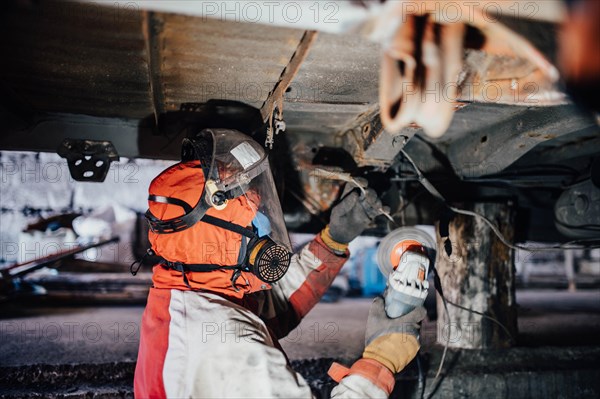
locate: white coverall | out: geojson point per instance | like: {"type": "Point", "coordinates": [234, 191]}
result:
{"type": "Point", "coordinates": [202, 345]}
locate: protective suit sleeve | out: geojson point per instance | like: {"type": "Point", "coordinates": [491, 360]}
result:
{"type": "Point", "coordinates": [311, 272]}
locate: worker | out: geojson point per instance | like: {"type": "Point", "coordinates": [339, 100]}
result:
{"type": "Point", "coordinates": [227, 287]}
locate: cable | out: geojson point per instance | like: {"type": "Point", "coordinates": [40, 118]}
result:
{"type": "Point", "coordinates": [421, 383]}
{"type": "Point", "coordinates": [423, 180]}
{"type": "Point", "coordinates": [485, 317]}
{"type": "Point", "coordinates": [437, 282]}
{"type": "Point", "coordinates": [438, 286]}
{"type": "Point", "coordinates": [433, 191]}
{"type": "Point", "coordinates": [435, 382]}
{"type": "Point", "coordinates": [567, 245]}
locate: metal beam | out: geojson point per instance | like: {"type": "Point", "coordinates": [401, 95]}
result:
{"type": "Point", "coordinates": [494, 148]}
{"type": "Point", "coordinates": [370, 144]}
{"type": "Point", "coordinates": [128, 136]}
{"type": "Point", "coordinates": [288, 73]}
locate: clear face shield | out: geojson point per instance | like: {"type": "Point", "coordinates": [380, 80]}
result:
{"type": "Point", "coordinates": [241, 167]}
{"type": "Point", "coordinates": [233, 167]}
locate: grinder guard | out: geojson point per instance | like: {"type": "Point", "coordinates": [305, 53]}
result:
{"type": "Point", "coordinates": [403, 259]}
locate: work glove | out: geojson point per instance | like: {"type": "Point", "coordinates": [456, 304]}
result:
{"type": "Point", "coordinates": [390, 345]}
{"type": "Point", "coordinates": [392, 342]}
{"type": "Point", "coordinates": [352, 215]}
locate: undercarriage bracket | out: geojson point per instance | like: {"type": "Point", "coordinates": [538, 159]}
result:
{"type": "Point", "coordinates": [88, 160]}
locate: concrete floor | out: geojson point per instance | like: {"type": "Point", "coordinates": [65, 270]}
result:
{"type": "Point", "coordinates": [59, 335]}
{"type": "Point", "coordinates": [83, 352]}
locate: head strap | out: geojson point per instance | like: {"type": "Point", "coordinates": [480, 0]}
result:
{"type": "Point", "coordinates": [201, 148]}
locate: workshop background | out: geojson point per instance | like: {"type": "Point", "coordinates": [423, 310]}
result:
{"type": "Point", "coordinates": [79, 317]}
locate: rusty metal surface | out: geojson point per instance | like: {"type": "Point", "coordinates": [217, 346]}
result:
{"type": "Point", "coordinates": [87, 59]}
{"type": "Point", "coordinates": [71, 58]}
{"type": "Point", "coordinates": [338, 69]}
{"type": "Point", "coordinates": [203, 59]}
{"type": "Point", "coordinates": [337, 82]}
{"type": "Point", "coordinates": [493, 145]}
{"type": "Point", "coordinates": [75, 58]}
{"type": "Point", "coordinates": [314, 194]}
{"type": "Point", "coordinates": [275, 98]}
{"type": "Point", "coordinates": [370, 144]}
{"type": "Point", "coordinates": [319, 120]}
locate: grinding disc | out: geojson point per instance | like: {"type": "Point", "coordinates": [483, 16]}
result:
{"type": "Point", "coordinates": [389, 246]}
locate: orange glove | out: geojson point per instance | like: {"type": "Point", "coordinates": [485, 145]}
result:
{"type": "Point", "coordinates": [390, 345]}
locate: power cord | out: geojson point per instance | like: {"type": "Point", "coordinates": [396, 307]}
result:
{"type": "Point", "coordinates": [433, 191]}
{"type": "Point", "coordinates": [438, 286]}
{"type": "Point", "coordinates": [567, 245]}
{"type": "Point", "coordinates": [436, 379]}
{"type": "Point", "coordinates": [485, 317]}
{"type": "Point", "coordinates": [577, 244]}
{"type": "Point", "coordinates": [421, 384]}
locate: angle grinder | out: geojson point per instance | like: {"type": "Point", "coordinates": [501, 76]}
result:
{"type": "Point", "coordinates": [403, 259]}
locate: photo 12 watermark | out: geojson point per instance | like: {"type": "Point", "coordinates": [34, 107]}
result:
{"type": "Point", "coordinates": [468, 11]}
{"type": "Point", "coordinates": [272, 12]}
{"type": "Point", "coordinates": [69, 332]}
{"type": "Point", "coordinates": [28, 171]}
{"type": "Point", "coordinates": [44, 249]}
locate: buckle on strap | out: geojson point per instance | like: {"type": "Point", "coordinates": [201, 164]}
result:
{"type": "Point", "coordinates": [133, 269]}
{"type": "Point", "coordinates": [178, 266]}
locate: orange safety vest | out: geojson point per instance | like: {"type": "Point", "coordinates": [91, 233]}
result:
{"type": "Point", "coordinates": [202, 243]}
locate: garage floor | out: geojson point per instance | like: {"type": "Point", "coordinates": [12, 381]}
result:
{"type": "Point", "coordinates": [35, 336]}
{"type": "Point", "coordinates": [335, 330]}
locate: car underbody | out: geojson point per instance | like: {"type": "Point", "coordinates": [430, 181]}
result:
{"type": "Point", "coordinates": [474, 122]}
{"type": "Point", "coordinates": [144, 79]}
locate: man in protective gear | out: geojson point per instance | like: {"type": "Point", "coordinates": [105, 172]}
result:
{"type": "Point", "coordinates": [227, 287]}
